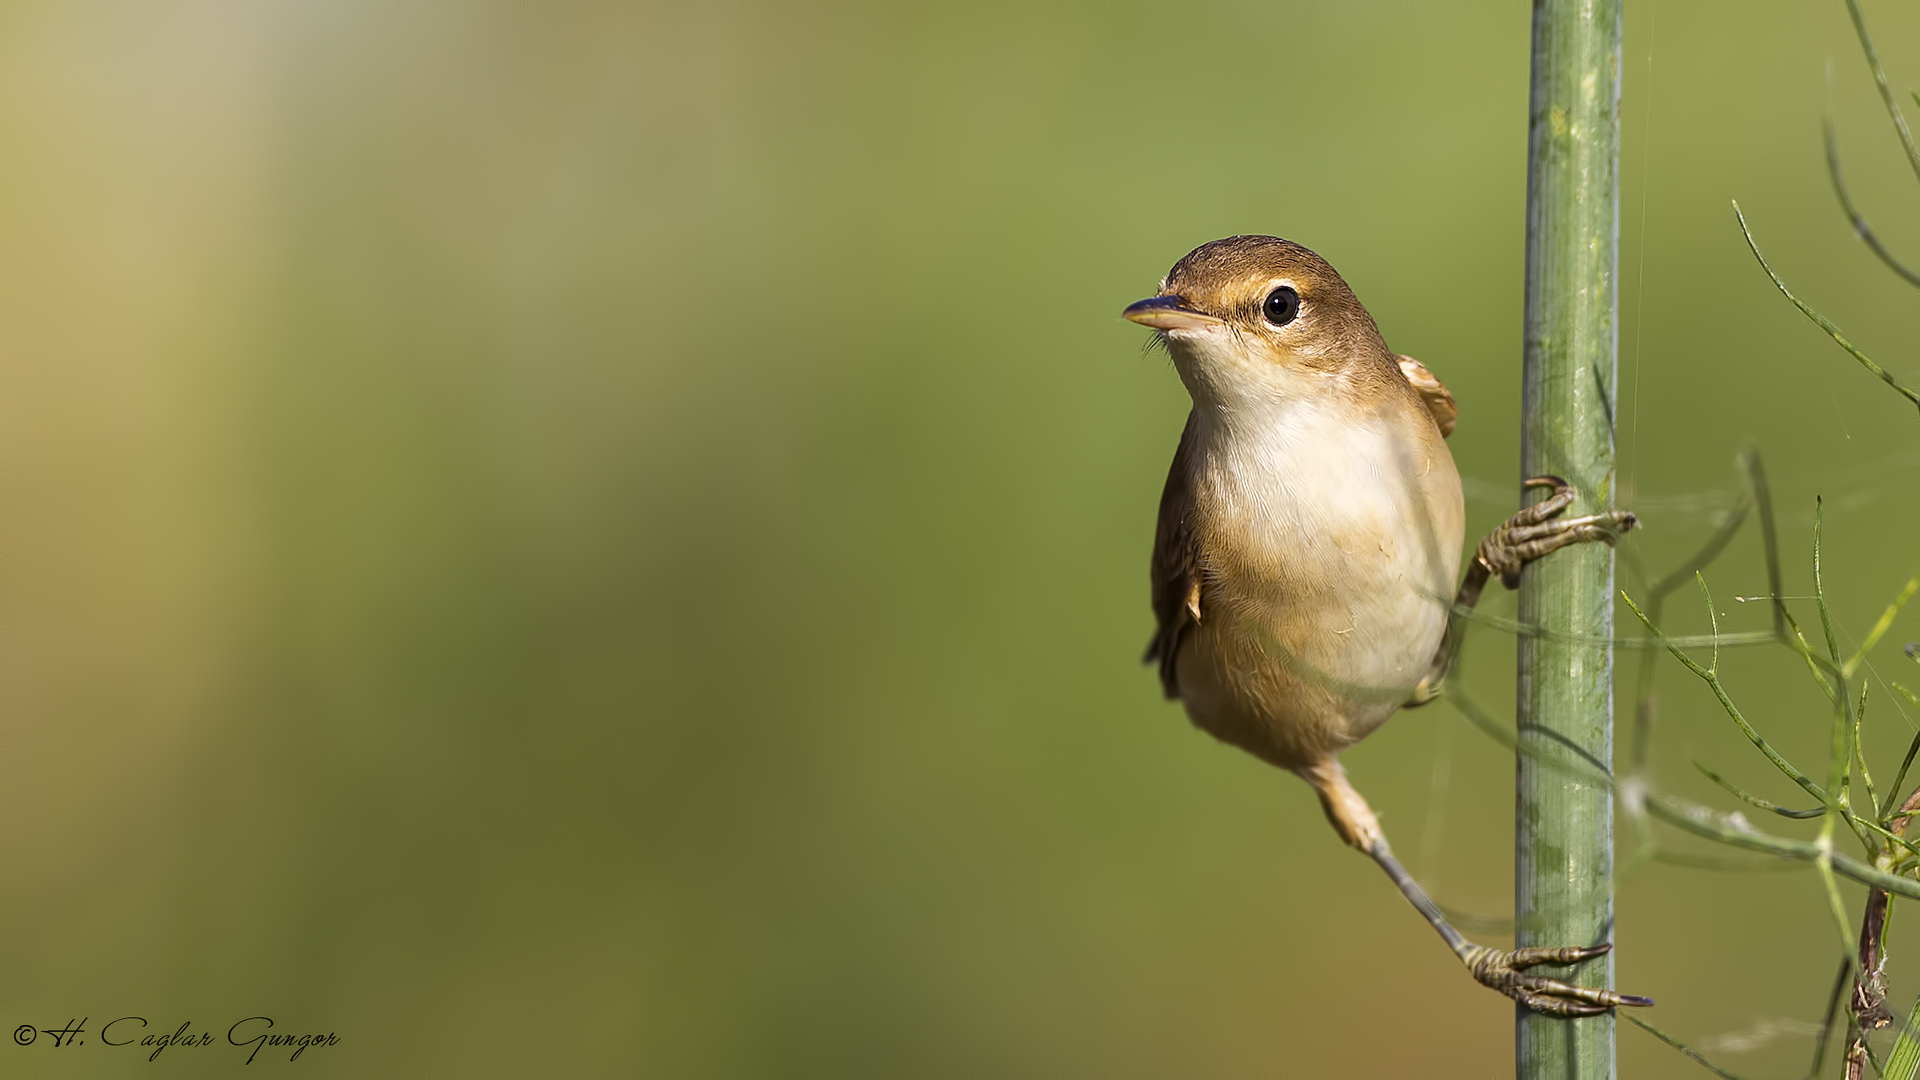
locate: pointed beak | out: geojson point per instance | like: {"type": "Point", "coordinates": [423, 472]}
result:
{"type": "Point", "coordinates": [1167, 313]}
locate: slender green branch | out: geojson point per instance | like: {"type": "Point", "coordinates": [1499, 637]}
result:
{"type": "Point", "coordinates": [1836, 906]}
{"type": "Point", "coordinates": [1859, 823]}
{"type": "Point", "coordinates": [1880, 81]}
{"type": "Point", "coordinates": [1506, 737]}
{"type": "Point", "coordinates": [1713, 623]}
{"type": "Point", "coordinates": [1855, 217]}
{"type": "Point", "coordinates": [1880, 628]}
{"type": "Point", "coordinates": [1737, 832]}
{"type": "Point", "coordinates": [1867, 1048]}
{"type": "Point", "coordinates": [1769, 538]}
{"type": "Point", "coordinates": [1739, 719]}
{"type": "Point", "coordinates": [1821, 320]}
{"type": "Point", "coordinates": [1886, 809]}
{"type": "Point", "coordinates": [1708, 552]}
{"type": "Point", "coordinates": [1657, 592]}
{"type": "Point", "coordinates": [1860, 756]}
{"type": "Point", "coordinates": [1756, 865]}
{"type": "Point", "coordinates": [1479, 718]}
{"type": "Point", "coordinates": [1758, 802]}
{"type": "Point", "coordinates": [1819, 586]}
{"type": "Point", "coordinates": [1833, 1007]}
{"type": "Point", "coordinates": [1564, 637]}
{"type": "Point", "coordinates": [1888, 835]}
{"type": "Point", "coordinates": [1840, 748]}
{"type": "Point", "coordinates": [1816, 663]}
{"type": "Point", "coordinates": [1840, 745]}
{"type": "Point", "coordinates": [1695, 1055]}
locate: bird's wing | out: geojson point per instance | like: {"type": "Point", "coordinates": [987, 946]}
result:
{"type": "Point", "coordinates": [1176, 564]}
{"type": "Point", "coordinates": [1432, 391]}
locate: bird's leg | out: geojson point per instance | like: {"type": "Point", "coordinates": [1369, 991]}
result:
{"type": "Point", "coordinates": [1528, 535]}
{"type": "Point", "coordinates": [1504, 971]}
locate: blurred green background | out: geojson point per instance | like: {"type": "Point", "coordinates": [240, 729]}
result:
{"type": "Point", "coordinates": [610, 540]}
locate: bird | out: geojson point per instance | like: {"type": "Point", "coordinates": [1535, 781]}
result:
{"type": "Point", "coordinates": [1308, 537]}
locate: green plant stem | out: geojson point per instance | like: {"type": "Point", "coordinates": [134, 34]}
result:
{"type": "Point", "coordinates": [1639, 644]}
{"type": "Point", "coordinates": [1563, 865]}
{"type": "Point", "coordinates": [1689, 1051]}
{"type": "Point", "coordinates": [1821, 320]}
{"type": "Point", "coordinates": [1734, 832]}
{"type": "Point", "coordinates": [1712, 679]}
{"type": "Point", "coordinates": [1859, 221]}
{"type": "Point", "coordinates": [1880, 628]}
{"type": "Point", "coordinates": [1880, 81]}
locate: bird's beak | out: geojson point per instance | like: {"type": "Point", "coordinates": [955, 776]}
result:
{"type": "Point", "coordinates": [1167, 313]}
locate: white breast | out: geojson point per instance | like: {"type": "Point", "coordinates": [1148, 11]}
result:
{"type": "Point", "coordinates": [1335, 535]}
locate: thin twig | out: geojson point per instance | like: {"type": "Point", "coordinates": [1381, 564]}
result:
{"type": "Point", "coordinates": [1739, 719]}
{"type": "Point", "coordinates": [1708, 552]}
{"type": "Point", "coordinates": [1520, 629]}
{"type": "Point", "coordinates": [1756, 801]}
{"type": "Point", "coordinates": [1769, 539]}
{"type": "Point", "coordinates": [1703, 822]}
{"type": "Point", "coordinates": [1821, 320]}
{"type": "Point", "coordinates": [1826, 1024]}
{"type": "Point", "coordinates": [1836, 906]}
{"type": "Point", "coordinates": [1901, 778]}
{"type": "Point", "coordinates": [1757, 865]}
{"type": "Point", "coordinates": [1880, 81]}
{"type": "Point", "coordinates": [1880, 628]}
{"type": "Point", "coordinates": [1860, 755]}
{"type": "Point", "coordinates": [1656, 596]}
{"type": "Point", "coordinates": [1689, 1051]}
{"type": "Point", "coordinates": [1860, 227]}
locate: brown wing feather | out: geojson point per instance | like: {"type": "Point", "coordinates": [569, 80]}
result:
{"type": "Point", "coordinates": [1176, 565]}
{"type": "Point", "coordinates": [1438, 398]}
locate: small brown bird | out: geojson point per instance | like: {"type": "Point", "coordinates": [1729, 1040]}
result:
{"type": "Point", "coordinates": [1309, 536]}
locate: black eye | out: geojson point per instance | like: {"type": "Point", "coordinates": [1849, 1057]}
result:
{"type": "Point", "coordinates": [1281, 306]}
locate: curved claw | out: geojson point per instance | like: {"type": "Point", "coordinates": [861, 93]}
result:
{"type": "Point", "coordinates": [1557, 1006]}
{"type": "Point", "coordinates": [1502, 971]}
{"type": "Point", "coordinates": [1522, 958]}
{"type": "Point", "coordinates": [1537, 531]}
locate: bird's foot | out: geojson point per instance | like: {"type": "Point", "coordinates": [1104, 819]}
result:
{"type": "Point", "coordinates": [1538, 530]}
{"type": "Point", "coordinates": [1505, 972]}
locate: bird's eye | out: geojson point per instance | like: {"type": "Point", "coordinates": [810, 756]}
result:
{"type": "Point", "coordinates": [1282, 305]}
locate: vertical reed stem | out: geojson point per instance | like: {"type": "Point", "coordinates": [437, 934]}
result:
{"type": "Point", "coordinates": [1563, 858]}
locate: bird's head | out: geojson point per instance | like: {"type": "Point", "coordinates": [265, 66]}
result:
{"type": "Point", "coordinates": [1261, 318]}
